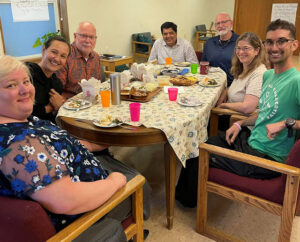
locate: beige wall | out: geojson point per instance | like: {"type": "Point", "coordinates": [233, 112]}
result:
{"type": "Point", "coordinates": [116, 20]}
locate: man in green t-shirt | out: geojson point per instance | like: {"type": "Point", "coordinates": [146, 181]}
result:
{"type": "Point", "coordinates": [273, 134]}
{"type": "Point", "coordinates": [279, 106]}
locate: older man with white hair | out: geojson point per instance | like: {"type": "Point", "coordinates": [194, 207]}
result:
{"type": "Point", "coordinates": [83, 62]}
{"type": "Point", "coordinates": [218, 50]}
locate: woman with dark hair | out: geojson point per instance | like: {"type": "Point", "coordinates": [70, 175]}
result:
{"type": "Point", "coordinates": [248, 66]}
{"type": "Point", "coordinates": [48, 87]}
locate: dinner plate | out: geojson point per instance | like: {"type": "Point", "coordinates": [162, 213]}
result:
{"type": "Point", "coordinates": [77, 104]}
{"type": "Point", "coordinates": [182, 64]}
{"type": "Point", "coordinates": [189, 101]}
{"type": "Point", "coordinates": [204, 85]}
{"type": "Point", "coordinates": [111, 125]}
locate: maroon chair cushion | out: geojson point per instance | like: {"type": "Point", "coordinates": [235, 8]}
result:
{"type": "Point", "coordinates": [22, 220]}
{"type": "Point", "coordinates": [269, 189]}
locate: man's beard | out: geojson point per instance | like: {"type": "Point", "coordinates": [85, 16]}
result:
{"type": "Point", "coordinates": [224, 32]}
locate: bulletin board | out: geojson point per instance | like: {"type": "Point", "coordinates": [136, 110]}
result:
{"type": "Point", "coordinates": [18, 37]}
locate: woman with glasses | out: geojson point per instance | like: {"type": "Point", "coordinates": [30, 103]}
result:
{"type": "Point", "coordinates": [48, 86]}
{"type": "Point", "coordinates": [248, 66]}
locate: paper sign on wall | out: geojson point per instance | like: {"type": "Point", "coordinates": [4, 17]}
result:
{"type": "Point", "coordinates": [286, 11]}
{"type": "Point", "coordinates": [29, 10]}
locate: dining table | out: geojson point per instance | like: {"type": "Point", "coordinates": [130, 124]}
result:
{"type": "Point", "coordinates": [179, 127]}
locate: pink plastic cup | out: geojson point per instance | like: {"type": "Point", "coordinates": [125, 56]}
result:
{"type": "Point", "coordinates": [173, 91]}
{"type": "Point", "coordinates": [135, 111]}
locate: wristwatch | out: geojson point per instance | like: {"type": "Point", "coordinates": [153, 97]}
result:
{"type": "Point", "coordinates": [289, 123]}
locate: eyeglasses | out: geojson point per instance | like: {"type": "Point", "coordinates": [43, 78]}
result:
{"type": "Point", "coordinates": [279, 43]}
{"type": "Point", "coordinates": [222, 22]}
{"type": "Point", "coordinates": [85, 36]}
{"type": "Point", "coordinates": [244, 49]}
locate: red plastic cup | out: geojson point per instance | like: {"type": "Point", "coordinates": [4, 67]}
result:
{"type": "Point", "coordinates": [204, 67]}
{"type": "Point", "coordinates": [173, 91]}
{"type": "Point", "coordinates": [135, 111]}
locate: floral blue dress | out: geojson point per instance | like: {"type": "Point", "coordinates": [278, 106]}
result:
{"type": "Point", "coordinates": [34, 154]}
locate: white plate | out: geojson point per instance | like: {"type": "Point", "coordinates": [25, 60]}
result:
{"type": "Point", "coordinates": [203, 85]}
{"type": "Point", "coordinates": [182, 64]}
{"type": "Point", "coordinates": [189, 101]}
{"type": "Point", "coordinates": [111, 125]}
{"type": "Point", "coordinates": [77, 104]}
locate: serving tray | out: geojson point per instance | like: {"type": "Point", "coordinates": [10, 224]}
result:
{"type": "Point", "coordinates": [144, 99]}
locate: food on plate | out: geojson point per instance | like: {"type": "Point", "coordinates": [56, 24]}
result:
{"type": "Point", "coordinates": [182, 64]}
{"type": "Point", "coordinates": [139, 89]}
{"type": "Point", "coordinates": [209, 82]}
{"type": "Point", "coordinates": [163, 81]}
{"type": "Point", "coordinates": [184, 80]}
{"type": "Point", "coordinates": [76, 103]}
{"type": "Point", "coordinates": [137, 92]}
{"type": "Point", "coordinates": [134, 79]}
{"type": "Point", "coordinates": [150, 86]}
{"type": "Point", "coordinates": [170, 72]}
{"type": "Point", "coordinates": [107, 120]}
{"type": "Point", "coordinates": [190, 101]}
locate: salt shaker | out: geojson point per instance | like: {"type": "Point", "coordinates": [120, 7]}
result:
{"type": "Point", "coordinates": [115, 86]}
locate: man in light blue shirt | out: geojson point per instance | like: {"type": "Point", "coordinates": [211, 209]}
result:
{"type": "Point", "coordinates": [180, 50]}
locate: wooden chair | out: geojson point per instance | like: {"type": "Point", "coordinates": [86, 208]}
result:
{"type": "Point", "coordinates": [141, 45]}
{"type": "Point", "coordinates": [277, 195]}
{"type": "Point", "coordinates": [214, 118]}
{"type": "Point", "coordinates": [23, 220]}
{"type": "Point", "coordinates": [202, 35]}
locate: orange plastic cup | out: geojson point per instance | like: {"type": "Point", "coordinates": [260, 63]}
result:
{"type": "Point", "coordinates": [105, 98]}
{"type": "Point", "coordinates": [168, 60]}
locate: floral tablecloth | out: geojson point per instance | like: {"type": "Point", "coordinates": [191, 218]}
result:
{"type": "Point", "coordinates": [185, 127]}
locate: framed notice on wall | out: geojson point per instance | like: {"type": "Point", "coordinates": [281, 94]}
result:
{"type": "Point", "coordinates": [284, 11]}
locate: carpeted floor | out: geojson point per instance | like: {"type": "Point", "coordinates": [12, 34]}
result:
{"type": "Point", "coordinates": [247, 223]}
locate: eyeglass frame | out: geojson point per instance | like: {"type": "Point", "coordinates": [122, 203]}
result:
{"type": "Point", "coordinates": [244, 49]}
{"type": "Point", "coordinates": [284, 41]}
{"type": "Point", "coordinates": [85, 36]}
{"type": "Point", "coordinates": [222, 22]}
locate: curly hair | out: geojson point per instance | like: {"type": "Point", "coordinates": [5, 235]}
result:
{"type": "Point", "coordinates": [261, 58]}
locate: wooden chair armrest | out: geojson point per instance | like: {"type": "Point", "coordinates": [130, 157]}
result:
{"type": "Point", "coordinates": [250, 159]}
{"type": "Point", "coordinates": [226, 111]}
{"type": "Point", "coordinates": [141, 43]}
{"type": "Point", "coordinates": [89, 218]}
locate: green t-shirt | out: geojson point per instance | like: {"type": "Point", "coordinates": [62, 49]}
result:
{"type": "Point", "coordinates": [279, 100]}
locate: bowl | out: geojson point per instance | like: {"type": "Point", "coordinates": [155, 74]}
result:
{"type": "Point", "coordinates": [170, 72]}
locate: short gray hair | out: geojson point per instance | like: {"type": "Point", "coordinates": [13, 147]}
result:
{"type": "Point", "coordinates": [9, 64]}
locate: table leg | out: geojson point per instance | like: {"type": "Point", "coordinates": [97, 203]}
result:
{"type": "Point", "coordinates": [170, 173]}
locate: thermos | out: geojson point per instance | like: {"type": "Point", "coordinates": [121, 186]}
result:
{"type": "Point", "coordinates": [115, 87]}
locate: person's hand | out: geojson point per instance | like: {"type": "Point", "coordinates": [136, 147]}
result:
{"type": "Point", "coordinates": [274, 129]}
{"type": "Point", "coordinates": [222, 105]}
{"type": "Point", "coordinates": [118, 179]}
{"type": "Point", "coordinates": [232, 133]}
{"type": "Point", "coordinates": [56, 100]}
